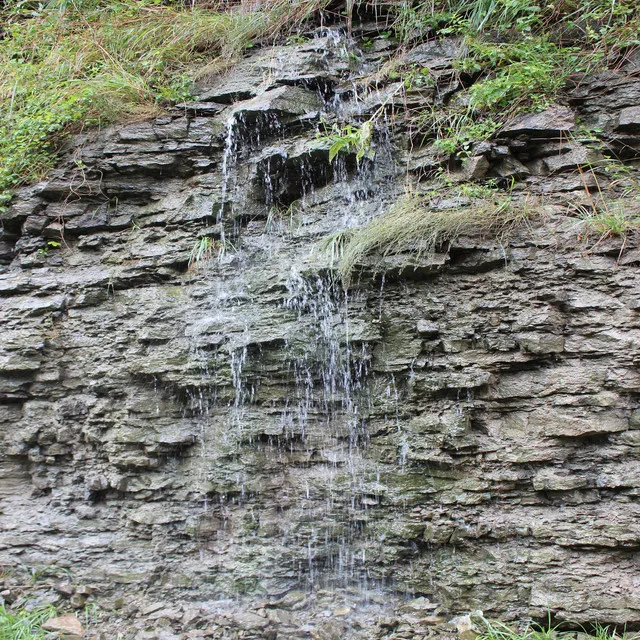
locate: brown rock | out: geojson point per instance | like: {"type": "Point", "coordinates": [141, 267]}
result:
{"type": "Point", "coordinates": [68, 626]}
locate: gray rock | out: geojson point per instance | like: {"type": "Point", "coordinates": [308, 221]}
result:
{"type": "Point", "coordinates": [249, 621]}
{"type": "Point", "coordinates": [475, 167]}
{"type": "Point", "coordinates": [509, 167]}
{"type": "Point", "coordinates": [629, 120]}
{"type": "Point", "coordinates": [579, 156]}
{"type": "Point", "coordinates": [552, 122]}
{"type": "Point", "coordinates": [553, 480]}
{"type": "Point", "coordinates": [281, 101]}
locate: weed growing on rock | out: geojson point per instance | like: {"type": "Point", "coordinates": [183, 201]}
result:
{"type": "Point", "coordinates": [283, 219]}
{"type": "Point", "coordinates": [206, 249]}
{"type": "Point", "coordinates": [23, 624]}
{"type": "Point", "coordinates": [350, 139]}
{"type": "Point", "coordinates": [519, 55]}
{"type": "Point", "coordinates": [333, 246]}
{"type": "Point", "coordinates": [203, 249]}
{"type": "Point", "coordinates": [454, 131]}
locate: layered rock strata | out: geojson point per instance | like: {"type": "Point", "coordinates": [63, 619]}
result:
{"type": "Point", "coordinates": [193, 409]}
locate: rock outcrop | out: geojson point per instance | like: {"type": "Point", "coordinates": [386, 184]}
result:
{"type": "Point", "coordinates": [461, 429]}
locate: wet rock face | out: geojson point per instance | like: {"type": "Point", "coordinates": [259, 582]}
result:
{"type": "Point", "coordinates": [465, 431]}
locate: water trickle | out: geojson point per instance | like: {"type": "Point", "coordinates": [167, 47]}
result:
{"type": "Point", "coordinates": [238, 359]}
{"type": "Point", "coordinates": [228, 161]}
{"type": "Point", "coordinates": [330, 389]}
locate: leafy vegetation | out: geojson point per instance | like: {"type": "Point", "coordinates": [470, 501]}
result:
{"type": "Point", "coordinates": [24, 624]}
{"type": "Point", "coordinates": [418, 225]}
{"type": "Point", "coordinates": [333, 246]}
{"type": "Point", "coordinates": [351, 138]}
{"type": "Point", "coordinates": [207, 248]}
{"type": "Point", "coordinates": [283, 220]}
{"type": "Point", "coordinates": [456, 131]}
{"type": "Point", "coordinates": [67, 64]}
{"type": "Point", "coordinates": [203, 249]}
{"type": "Point", "coordinates": [501, 631]}
{"type": "Point", "coordinates": [519, 53]}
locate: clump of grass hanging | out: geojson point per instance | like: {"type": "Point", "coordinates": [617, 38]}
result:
{"type": "Point", "coordinates": [417, 226]}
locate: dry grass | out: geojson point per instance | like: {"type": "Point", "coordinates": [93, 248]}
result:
{"type": "Point", "coordinates": [418, 226]}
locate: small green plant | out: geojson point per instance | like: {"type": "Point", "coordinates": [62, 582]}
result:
{"type": "Point", "coordinates": [283, 217]}
{"type": "Point", "coordinates": [349, 139]}
{"type": "Point", "coordinates": [462, 132]}
{"type": "Point", "coordinates": [333, 246]}
{"type": "Point", "coordinates": [415, 77]}
{"type": "Point", "coordinates": [524, 73]}
{"type": "Point", "coordinates": [24, 624]}
{"type": "Point", "coordinates": [501, 631]}
{"type": "Point", "coordinates": [47, 571]}
{"type": "Point", "coordinates": [51, 244]}
{"type": "Point", "coordinates": [297, 39]}
{"type": "Point", "coordinates": [90, 613]}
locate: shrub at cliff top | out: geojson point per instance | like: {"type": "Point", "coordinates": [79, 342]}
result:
{"type": "Point", "coordinates": [67, 64]}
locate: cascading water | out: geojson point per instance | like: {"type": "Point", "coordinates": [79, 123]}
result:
{"type": "Point", "coordinates": [330, 398]}
{"type": "Point", "coordinates": [228, 160]}
{"type": "Point", "coordinates": [299, 441]}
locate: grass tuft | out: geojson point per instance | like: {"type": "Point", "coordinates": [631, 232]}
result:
{"type": "Point", "coordinates": [418, 225]}
{"type": "Point", "coordinates": [501, 631]}
{"type": "Point", "coordinates": [612, 221]}
{"type": "Point", "coordinates": [24, 624]}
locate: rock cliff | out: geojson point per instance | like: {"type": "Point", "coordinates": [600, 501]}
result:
{"type": "Point", "coordinates": [194, 412]}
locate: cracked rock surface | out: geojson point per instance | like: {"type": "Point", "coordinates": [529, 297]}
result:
{"type": "Point", "coordinates": [235, 447]}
